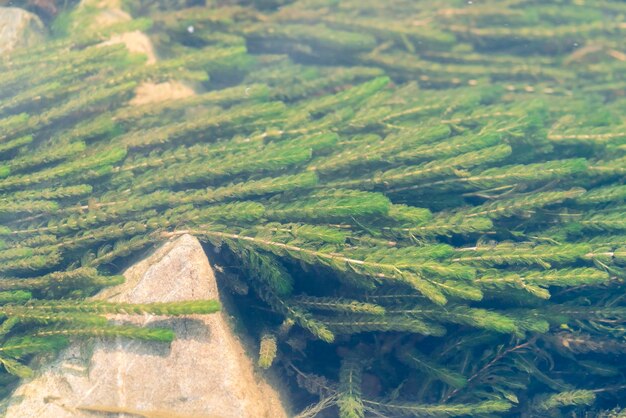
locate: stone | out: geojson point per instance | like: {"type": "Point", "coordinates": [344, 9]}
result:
{"type": "Point", "coordinates": [19, 29]}
{"type": "Point", "coordinates": [103, 13]}
{"type": "Point", "coordinates": [109, 12]}
{"type": "Point", "coordinates": [204, 373]}
{"type": "Point", "coordinates": [160, 92]}
{"type": "Point", "coordinates": [136, 42]}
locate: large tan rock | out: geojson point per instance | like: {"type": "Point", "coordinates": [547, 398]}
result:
{"type": "Point", "coordinates": [205, 372]}
{"type": "Point", "coordinates": [18, 29]}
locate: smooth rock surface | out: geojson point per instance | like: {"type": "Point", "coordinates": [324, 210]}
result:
{"type": "Point", "coordinates": [19, 28]}
{"type": "Point", "coordinates": [205, 372]}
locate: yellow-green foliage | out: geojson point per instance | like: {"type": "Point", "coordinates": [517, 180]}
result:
{"type": "Point", "coordinates": [429, 196]}
{"type": "Point", "coordinates": [267, 351]}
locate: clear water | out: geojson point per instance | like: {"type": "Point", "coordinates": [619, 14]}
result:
{"type": "Point", "coordinates": [414, 208]}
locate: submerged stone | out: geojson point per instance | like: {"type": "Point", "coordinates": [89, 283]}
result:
{"type": "Point", "coordinates": [19, 28]}
{"type": "Point", "coordinates": [205, 372]}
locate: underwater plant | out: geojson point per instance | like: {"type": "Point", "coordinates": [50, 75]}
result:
{"type": "Point", "coordinates": [421, 204]}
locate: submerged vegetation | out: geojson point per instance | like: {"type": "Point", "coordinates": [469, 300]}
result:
{"type": "Point", "coordinates": [420, 206]}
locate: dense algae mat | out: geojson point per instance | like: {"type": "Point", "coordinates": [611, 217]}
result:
{"type": "Point", "coordinates": [423, 203]}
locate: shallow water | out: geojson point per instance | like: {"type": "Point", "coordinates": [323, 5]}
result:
{"type": "Point", "coordinates": [418, 208]}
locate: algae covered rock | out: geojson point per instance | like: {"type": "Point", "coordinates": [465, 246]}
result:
{"type": "Point", "coordinates": [19, 28]}
{"type": "Point", "coordinates": [204, 373]}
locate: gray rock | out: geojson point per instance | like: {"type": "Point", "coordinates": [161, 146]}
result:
{"type": "Point", "coordinates": [19, 28]}
{"type": "Point", "coordinates": [205, 372]}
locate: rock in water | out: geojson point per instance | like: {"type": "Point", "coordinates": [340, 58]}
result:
{"type": "Point", "coordinates": [110, 12]}
{"type": "Point", "coordinates": [205, 372]}
{"type": "Point", "coordinates": [19, 28]}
